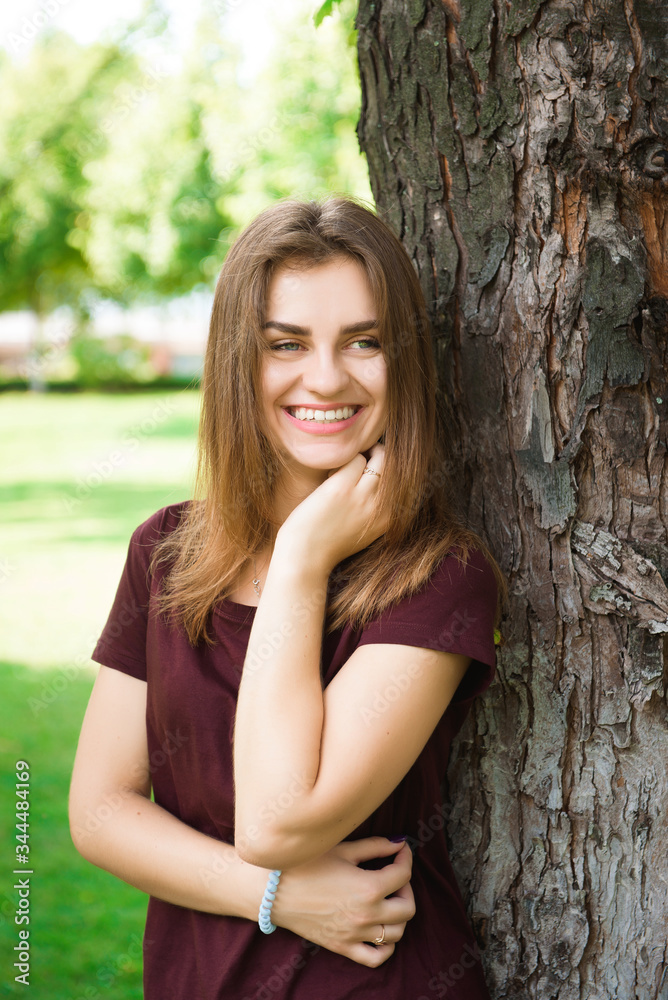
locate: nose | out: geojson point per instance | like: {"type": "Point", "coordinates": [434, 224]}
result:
{"type": "Point", "coordinates": [325, 372]}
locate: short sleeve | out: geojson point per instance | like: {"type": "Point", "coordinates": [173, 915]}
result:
{"type": "Point", "coordinates": [453, 612]}
{"type": "Point", "coordinates": [122, 644]}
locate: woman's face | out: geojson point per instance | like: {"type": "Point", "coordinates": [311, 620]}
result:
{"type": "Point", "coordinates": [322, 356]}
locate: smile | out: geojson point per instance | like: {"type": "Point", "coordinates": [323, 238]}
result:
{"type": "Point", "coordinates": [316, 421]}
{"type": "Point", "coordinates": [304, 413]}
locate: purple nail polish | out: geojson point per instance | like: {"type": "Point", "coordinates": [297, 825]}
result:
{"type": "Point", "coordinates": [395, 840]}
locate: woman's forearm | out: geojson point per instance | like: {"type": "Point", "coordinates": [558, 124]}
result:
{"type": "Point", "coordinates": [331, 902]}
{"type": "Point", "coordinates": [146, 846]}
{"type": "Point", "coordinates": [279, 719]}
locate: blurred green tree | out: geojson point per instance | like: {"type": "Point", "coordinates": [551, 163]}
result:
{"type": "Point", "coordinates": [156, 211]}
{"type": "Point", "coordinates": [296, 137]}
{"type": "Point", "coordinates": [50, 108]}
{"type": "Point", "coordinates": [127, 168]}
{"type": "Point", "coordinates": [51, 104]}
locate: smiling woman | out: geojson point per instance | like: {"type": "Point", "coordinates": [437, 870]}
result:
{"type": "Point", "coordinates": [308, 382]}
{"type": "Point", "coordinates": [314, 626]}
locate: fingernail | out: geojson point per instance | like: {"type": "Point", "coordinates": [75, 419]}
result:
{"type": "Point", "coordinates": [395, 840]}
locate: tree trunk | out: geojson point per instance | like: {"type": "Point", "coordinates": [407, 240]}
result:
{"type": "Point", "coordinates": [34, 368]}
{"type": "Point", "coordinates": [520, 150]}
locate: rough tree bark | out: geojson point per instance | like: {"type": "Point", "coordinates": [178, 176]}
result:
{"type": "Point", "coordinates": [520, 150]}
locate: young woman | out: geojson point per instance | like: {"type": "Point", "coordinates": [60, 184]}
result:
{"type": "Point", "coordinates": [290, 654]}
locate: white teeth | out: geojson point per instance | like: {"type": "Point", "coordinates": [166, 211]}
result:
{"type": "Point", "coordinates": [321, 416]}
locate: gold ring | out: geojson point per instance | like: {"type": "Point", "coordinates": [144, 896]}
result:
{"type": "Point", "coordinates": [371, 472]}
{"type": "Point", "coordinates": [381, 939]}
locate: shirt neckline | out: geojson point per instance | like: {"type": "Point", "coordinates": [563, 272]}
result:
{"type": "Point", "coordinates": [233, 611]}
{"type": "Point", "coordinates": [237, 612]}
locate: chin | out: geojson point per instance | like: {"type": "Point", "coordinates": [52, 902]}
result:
{"type": "Point", "coordinates": [325, 458]}
{"type": "Point", "coordinates": [323, 465]}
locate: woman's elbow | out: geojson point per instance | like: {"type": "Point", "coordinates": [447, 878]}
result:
{"type": "Point", "coordinates": [86, 818]}
{"type": "Point", "coordinates": [90, 816]}
{"type": "Point", "coordinates": [82, 831]}
{"type": "Point", "coordinates": [275, 849]}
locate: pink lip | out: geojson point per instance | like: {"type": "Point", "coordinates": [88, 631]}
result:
{"type": "Point", "coordinates": [331, 427]}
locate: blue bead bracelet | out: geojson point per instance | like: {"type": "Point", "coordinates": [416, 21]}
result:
{"type": "Point", "coordinates": [264, 920]}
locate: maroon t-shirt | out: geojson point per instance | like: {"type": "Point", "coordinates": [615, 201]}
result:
{"type": "Point", "coordinates": [192, 694]}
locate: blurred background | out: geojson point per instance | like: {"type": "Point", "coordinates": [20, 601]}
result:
{"type": "Point", "coordinates": [136, 140]}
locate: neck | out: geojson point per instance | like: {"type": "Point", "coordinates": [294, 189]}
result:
{"type": "Point", "coordinates": [290, 491]}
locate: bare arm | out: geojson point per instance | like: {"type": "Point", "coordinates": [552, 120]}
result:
{"type": "Point", "coordinates": [287, 726]}
{"type": "Point", "coordinates": [348, 758]}
{"type": "Point", "coordinates": [115, 825]}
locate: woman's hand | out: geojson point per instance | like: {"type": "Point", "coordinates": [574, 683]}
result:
{"type": "Point", "coordinates": [337, 519]}
{"type": "Point", "coordinates": [341, 907]}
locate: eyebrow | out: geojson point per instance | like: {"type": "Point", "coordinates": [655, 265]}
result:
{"type": "Point", "coordinates": [305, 331]}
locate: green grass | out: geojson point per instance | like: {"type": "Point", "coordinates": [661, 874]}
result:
{"type": "Point", "coordinates": [77, 475]}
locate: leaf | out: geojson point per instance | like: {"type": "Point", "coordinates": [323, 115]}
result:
{"type": "Point", "coordinates": [325, 11]}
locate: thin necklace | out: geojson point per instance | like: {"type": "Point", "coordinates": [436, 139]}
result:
{"type": "Point", "coordinates": [256, 581]}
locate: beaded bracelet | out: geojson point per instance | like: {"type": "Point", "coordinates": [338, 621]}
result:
{"type": "Point", "coordinates": [264, 921]}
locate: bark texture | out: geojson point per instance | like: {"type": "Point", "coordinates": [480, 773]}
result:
{"type": "Point", "coordinates": [520, 150]}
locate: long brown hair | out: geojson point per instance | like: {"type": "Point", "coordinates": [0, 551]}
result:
{"type": "Point", "coordinates": [232, 518]}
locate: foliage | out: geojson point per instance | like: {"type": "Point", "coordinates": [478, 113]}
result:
{"type": "Point", "coordinates": [291, 134]}
{"type": "Point", "coordinates": [125, 176]}
{"type": "Point", "coordinates": [153, 206]}
{"type": "Point", "coordinates": [49, 109]}
{"type": "Point", "coordinates": [115, 362]}
{"type": "Point", "coordinates": [314, 151]}
{"type": "Point", "coordinates": [325, 11]}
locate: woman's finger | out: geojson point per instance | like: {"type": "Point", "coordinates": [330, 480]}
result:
{"type": "Point", "coordinates": [367, 848]}
{"type": "Point", "coordinates": [370, 955]}
{"type": "Point", "coordinates": [405, 893]}
{"type": "Point", "coordinates": [393, 932]}
{"type": "Point", "coordinates": [395, 875]}
{"type": "Point", "coordinates": [375, 462]}
{"type": "Point", "coordinates": [376, 449]}
{"type": "Point", "coordinates": [352, 469]}
{"type": "Point", "coordinates": [398, 909]}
